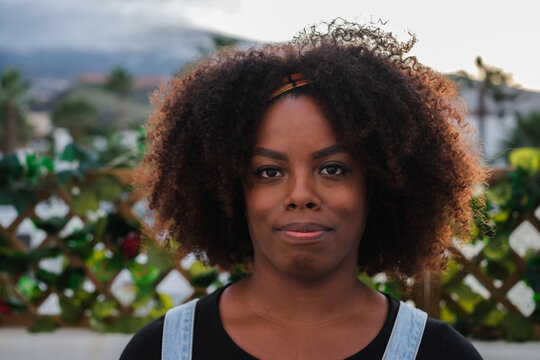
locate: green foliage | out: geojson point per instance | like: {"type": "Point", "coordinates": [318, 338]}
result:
{"type": "Point", "coordinates": [71, 308]}
{"type": "Point", "coordinates": [108, 243]}
{"type": "Point", "coordinates": [29, 287]}
{"type": "Point", "coordinates": [136, 107]}
{"type": "Point", "coordinates": [43, 324]}
{"type": "Point", "coordinates": [532, 273]}
{"type": "Point", "coordinates": [104, 245]}
{"type": "Point", "coordinates": [11, 84]}
{"type": "Point", "coordinates": [118, 154]}
{"type": "Point", "coordinates": [52, 225]}
{"type": "Point", "coordinates": [13, 125]}
{"type": "Point", "coordinates": [119, 81]}
{"type": "Point", "coordinates": [18, 180]}
{"type": "Point", "coordinates": [221, 41]}
{"type": "Point", "coordinates": [518, 327]}
{"type": "Point", "coordinates": [86, 158]}
{"type": "Point", "coordinates": [75, 114]}
{"type": "Point", "coordinates": [507, 201]}
{"type": "Point", "coordinates": [526, 133]}
{"type": "Point", "coordinates": [526, 158]}
{"type": "Point", "coordinates": [202, 275]}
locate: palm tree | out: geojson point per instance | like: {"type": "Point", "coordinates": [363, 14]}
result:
{"type": "Point", "coordinates": [493, 82]}
{"type": "Point", "coordinates": [12, 89]}
{"type": "Point", "coordinates": [121, 83]}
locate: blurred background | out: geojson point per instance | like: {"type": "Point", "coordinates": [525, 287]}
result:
{"type": "Point", "coordinates": [75, 82]}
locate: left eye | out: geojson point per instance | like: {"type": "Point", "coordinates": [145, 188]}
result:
{"type": "Point", "coordinates": [332, 170]}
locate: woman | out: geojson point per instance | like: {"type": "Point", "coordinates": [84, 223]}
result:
{"type": "Point", "coordinates": [308, 162]}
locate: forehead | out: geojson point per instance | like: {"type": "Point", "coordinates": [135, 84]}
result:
{"type": "Point", "coordinates": [294, 122]}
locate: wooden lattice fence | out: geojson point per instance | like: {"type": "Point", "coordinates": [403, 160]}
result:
{"type": "Point", "coordinates": [490, 289]}
{"type": "Point", "coordinates": [88, 268]}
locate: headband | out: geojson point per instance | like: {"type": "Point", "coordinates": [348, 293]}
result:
{"type": "Point", "coordinates": [290, 82]}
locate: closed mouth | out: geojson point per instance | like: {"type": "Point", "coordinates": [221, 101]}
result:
{"type": "Point", "coordinates": [304, 227]}
{"type": "Point", "coordinates": [304, 231]}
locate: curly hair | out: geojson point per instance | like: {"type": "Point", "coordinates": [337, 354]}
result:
{"type": "Point", "coordinates": [403, 120]}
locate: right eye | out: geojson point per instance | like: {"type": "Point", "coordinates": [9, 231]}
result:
{"type": "Point", "coordinates": [269, 172]}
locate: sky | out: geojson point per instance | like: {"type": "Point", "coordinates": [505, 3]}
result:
{"type": "Point", "coordinates": [451, 33]}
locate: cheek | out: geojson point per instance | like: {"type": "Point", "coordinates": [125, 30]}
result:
{"type": "Point", "coordinates": [260, 205]}
{"type": "Point", "coordinates": [348, 203]}
{"type": "Point", "coordinates": [260, 202]}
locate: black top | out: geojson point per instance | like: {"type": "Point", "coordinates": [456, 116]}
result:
{"type": "Point", "coordinates": [440, 341]}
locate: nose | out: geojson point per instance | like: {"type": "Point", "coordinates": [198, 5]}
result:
{"type": "Point", "coordinates": [302, 193]}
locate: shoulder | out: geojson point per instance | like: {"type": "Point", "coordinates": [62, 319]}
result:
{"type": "Point", "coordinates": [146, 343]}
{"type": "Point", "coordinates": [441, 341]}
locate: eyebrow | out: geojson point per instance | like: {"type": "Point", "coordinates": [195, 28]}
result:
{"type": "Point", "coordinates": [331, 150]}
{"type": "Point", "coordinates": [272, 154]}
{"type": "Point", "coordinates": [277, 155]}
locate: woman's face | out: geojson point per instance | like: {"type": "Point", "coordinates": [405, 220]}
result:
{"type": "Point", "coordinates": [305, 195]}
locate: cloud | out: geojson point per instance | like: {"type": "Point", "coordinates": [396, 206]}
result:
{"type": "Point", "coordinates": [102, 25]}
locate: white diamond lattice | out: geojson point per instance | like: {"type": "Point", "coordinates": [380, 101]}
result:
{"type": "Point", "coordinates": [469, 251]}
{"type": "Point", "coordinates": [524, 237]}
{"type": "Point", "coordinates": [141, 210]}
{"type": "Point", "coordinates": [50, 306]}
{"type": "Point", "coordinates": [123, 288]}
{"type": "Point", "coordinates": [476, 286]}
{"type": "Point", "coordinates": [53, 265]}
{"type": "Point", "coordinates": [74, 224]}
{"type": "Point", "coordinates": [27, 230]}
{"type": "Point", "coordinates": [51, 207]}
{"type": "Point", "coordinates": [522, 297]}
{"type": "Point", "coordinates": [8, 214]}
{"type": "Point", "coordinates": [88, 285]}
{"type": "Point", "coordinates": [176, 286]}
{"type": "Point", "coordinates": [188, 261]}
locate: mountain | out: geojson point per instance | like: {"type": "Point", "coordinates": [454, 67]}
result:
{"type": "Point", "coordinates": [68, 64]}
{"type": "Point", "coordinates": [61, 39]}
{"type": "Point", "coordinates": [155, 58]}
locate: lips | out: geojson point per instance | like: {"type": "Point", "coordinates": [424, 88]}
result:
{"type": "Point", "coordinates": [304, 231]}
{"type": "Point", "coordinates": [303, 227]}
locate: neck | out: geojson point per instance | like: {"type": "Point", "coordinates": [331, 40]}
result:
{"type": "Point", "coordinates": [299, 302]}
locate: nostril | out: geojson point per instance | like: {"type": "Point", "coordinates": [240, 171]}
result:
{"type": "Point", "coordinates": [309, 205]}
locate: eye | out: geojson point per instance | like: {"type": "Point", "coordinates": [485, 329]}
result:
{"type": "Point", "coordinates": [269, 172]}
{"type": "Point", "coordinates": [332, 170]}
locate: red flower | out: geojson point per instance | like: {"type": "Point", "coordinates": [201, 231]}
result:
{"type": "Point", "coordinates": [5, 308]}
{"type": "Point", "coordinates": [130, 245]}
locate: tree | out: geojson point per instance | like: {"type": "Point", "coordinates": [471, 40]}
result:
{"type": "Point", "coordinates": [12, 90]}
{"type": "Point", "coordinates": [526, 133]}
{"type": "Point", "coordinates": [121, 83]}
{"type": "Point", "coordinates": [493, 82]}
{"type": "Point", "coordinates": [75, 114]}
{"type": "Point", "coordinates": [221, 41]}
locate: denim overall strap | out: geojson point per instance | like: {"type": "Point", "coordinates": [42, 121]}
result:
{"type": "Point", "coordinates": [406, 334]}
{"type": "Point", "coordinates": [177, 340]}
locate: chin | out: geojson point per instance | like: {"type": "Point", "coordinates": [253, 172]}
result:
{"type": "Point", "coordinates": [306, 268]}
